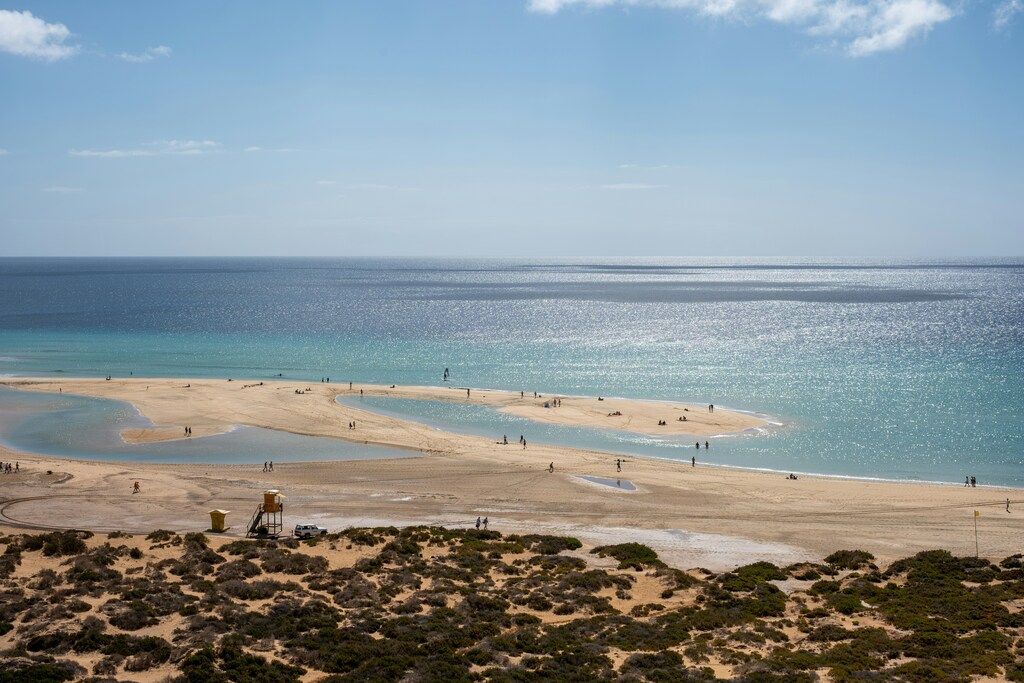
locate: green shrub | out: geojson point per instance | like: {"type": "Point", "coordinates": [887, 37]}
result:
{"type": "Point", "coordinates": [630, 555]}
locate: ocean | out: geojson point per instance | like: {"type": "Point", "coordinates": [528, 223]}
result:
{"type": "Point", "coordinates": [895, 370]}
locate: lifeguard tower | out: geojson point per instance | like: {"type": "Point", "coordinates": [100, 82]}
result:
{"type": "Point", "coordinates": [268, 520]}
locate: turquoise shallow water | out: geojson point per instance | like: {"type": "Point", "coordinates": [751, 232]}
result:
{"type": "Point", "coordinates": [882, 369]}
{"type": "Point", "coordinates": [90, 428]}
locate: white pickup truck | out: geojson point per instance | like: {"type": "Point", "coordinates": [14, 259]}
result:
{"type": "Point", "coordinates": [309, 530]}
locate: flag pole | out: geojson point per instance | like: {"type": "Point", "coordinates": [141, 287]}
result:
{"type": "Point", "coordinates": [976, 515]}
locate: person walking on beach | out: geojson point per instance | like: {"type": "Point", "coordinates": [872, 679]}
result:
{"type": "Point", "coordinates": [524, 444]}
{"type": "Point", "coordinates": [693, 462]}
{"type": "Point", "coordinates": [618, 465]}
{"type": "Point", "coordinates": [967, 481]}
{"type": "Point", "coordinates": [136, 488]}
{"type": "Point", "coordinates": [478, 524]}
{"type": "Point", "coordinates": [271, 466]}
{"type": "Point", "coordinates": [485, 523]}
{"type": "Point", "coordinates": [1007, 506]}
{"type": "Point", "coordinates": [551, 467]}
{"type": "Point", "coordinates": [974, 482]}
{"type": "Point", "coordinates": [467, 393]}
{"type": "Point", "coordinates": [711, 407]}
{"type": "Point", "coordinates": [264, 465]}
{"type": "Point", "coordinates": [504, 440]}
{"type": "Point", "coordinates": [521, 439]}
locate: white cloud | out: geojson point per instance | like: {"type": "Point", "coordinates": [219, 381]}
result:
{"type": "Point", "coordinates": [61, 189]}
{"type": "Point", "coordinates": [152, 149]}
{"type": "Point", "coordinates": [3, 151]}
{"type": "Point", "coordinates": [631, 186]}
{"type": "Point", "coordinates": [147, 55]}
{"type": "Point", "coordinates": [863, 27]}
{"type": "Point", "coordinates": [897, 23]}
{"type": "Point", "coordinates": [327, 182]}
{"type": "Point", "coordinates": [1005, 12]}
{"type": "Point", "coordinates": [26, 35]}
{"type": "Point", "coordinates": [278, 150]}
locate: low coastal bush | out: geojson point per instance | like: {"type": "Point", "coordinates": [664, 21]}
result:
{"type": "Point", "coordinates": [630, 555]}
{"type": "Point", "coordinates": [849, 559]}
{"type": "Point", "coordinates": [58, 543]}
{"type": "Point", "coordinates": [427, 604]}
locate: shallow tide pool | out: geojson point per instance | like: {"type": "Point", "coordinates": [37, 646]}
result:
{"type": "Point", "coordinates": [87, 428]}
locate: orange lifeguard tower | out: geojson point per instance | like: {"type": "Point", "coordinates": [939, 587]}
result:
{"type": "Point", "coordinates": [268, 520]}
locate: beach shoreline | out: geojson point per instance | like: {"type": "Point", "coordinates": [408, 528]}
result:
{"type": "Point", "coordinates": [682, 509]}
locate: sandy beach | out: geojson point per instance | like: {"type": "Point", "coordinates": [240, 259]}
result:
{"type": "Point", "coordinates": [694, 516]}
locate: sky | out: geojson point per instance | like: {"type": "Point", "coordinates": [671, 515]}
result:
{"type": "Point", "coordinates": [507, 128]}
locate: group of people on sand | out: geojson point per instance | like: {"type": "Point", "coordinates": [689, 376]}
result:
{"type": "Point", "coordinates": [970, 481]}
{"type": "Point", "coordinates": [6, 467]}
{"type": "Point", "coordinates": [268, 466]}
{"type": "Point", "coordinates": [484, 522]}
{"type": "Point", "coordinates": [188, 431]}
{"type": "Point", "coordinates": [352, 424]}
{"type": "Point", "coordinates": [325, 380]}
{"type": "Point", "coordinates": [504, 440]}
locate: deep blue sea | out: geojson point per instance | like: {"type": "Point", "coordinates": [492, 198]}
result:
{"type": "Point", "coordinates": [877, 369]}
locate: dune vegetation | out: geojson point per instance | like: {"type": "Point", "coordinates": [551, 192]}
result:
{"type": "Point", "coordinates": [435, 604]}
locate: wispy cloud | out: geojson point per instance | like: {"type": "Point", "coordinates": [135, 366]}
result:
{"type": "Point", "coordinates": [276, 150]}
{"type": "Point", "coordinates": [863, 27]}
{"type": "Point", "coordinates": [152, 149]}
{"type": "Point", "coordinates": [327, 183]}
{"type": "Point", "coordinates": [1005, 11]}
{"type": "Point", "coordinates": [147, 55]}
{"type": "Point", "coordinates": [631, 186]}
{"type": "Point", "coordinates": [3, 151]}
{"type": "Point", "coordinates": [61, 189]}
{"type": "Point", "coordinates": [26, 35]}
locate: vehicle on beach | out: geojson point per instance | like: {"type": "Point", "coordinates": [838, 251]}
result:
{"type": "Point", "coordinates": [309, 530]}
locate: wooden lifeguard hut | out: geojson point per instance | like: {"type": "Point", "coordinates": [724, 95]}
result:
{"type": "Point", "coordinates": [268, 520]}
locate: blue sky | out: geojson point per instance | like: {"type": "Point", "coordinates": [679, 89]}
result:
{"type": "Point", "coordinates": [513, 128]}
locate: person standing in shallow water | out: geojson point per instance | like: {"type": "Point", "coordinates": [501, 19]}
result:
{"type": "Point", "coordinates": [693, 462]}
